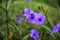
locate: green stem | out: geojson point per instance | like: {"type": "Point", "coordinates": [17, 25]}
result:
{"type": "Point", "coordinates": [48, 29]}
{"type": "Point", "coordinates": [49, 22]}
{"type": "Point", "coordinates": [7, 7]}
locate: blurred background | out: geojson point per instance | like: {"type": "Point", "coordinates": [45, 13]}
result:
{"type": "Point", "coordinates": [10, 9]}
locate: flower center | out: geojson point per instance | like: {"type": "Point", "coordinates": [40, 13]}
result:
{"type": "Point", "coordinates": [32, 16]}
{"type": "Point", "coordinates": [34, 35]}
{"type": "Point", "coordinates": [39, 19]}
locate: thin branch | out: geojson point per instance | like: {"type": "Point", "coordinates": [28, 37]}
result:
{"type": "Point", "coordinates": [7, 17]}
{"type": "Point", "coordinates": [7, 20]}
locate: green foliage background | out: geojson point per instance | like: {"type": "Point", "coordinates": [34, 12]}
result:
{"type": "Point", "coordinates": [21, 31]}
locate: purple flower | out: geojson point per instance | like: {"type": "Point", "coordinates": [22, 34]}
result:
{"type": "Point", "coordinates": [56, 28]}
{"type": "Point", "coordinates": [34, 34]}
{"type": "Point", "coordinates": [29, 0]}
{"type": "Point", "coordinates": [32, 18]}
{"type": "Point", "coordinates": [27, 12]}
{"type": "Point", "coordinates": [19, 20]}
{"type": "Point", "coordinates": [40, 19]}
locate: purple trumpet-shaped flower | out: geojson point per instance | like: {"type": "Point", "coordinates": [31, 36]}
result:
{"type": "Point", "coordinates": [29, 0]}
{"type": "Point", "coordinates": [19, 19]}
{"type": "Point", "coordinates": [40, 19]}
{"type": "Point", "coordinates": [34, 34]}
{"type": "Point", "coordinates": [32, 18]}
{"type": "Point", "coordinates": [56, 29]}
{"type": "Point", "coordinates": [27, 12]}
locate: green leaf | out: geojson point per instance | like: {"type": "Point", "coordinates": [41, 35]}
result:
{"type": "Point", "coordinates": [26, 37]}
{"type": "Point", "coordinates": [48, 29]}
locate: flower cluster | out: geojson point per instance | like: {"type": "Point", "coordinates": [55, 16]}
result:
{"type": "Point", "coordinates": [34, 18]}
{"type": "Point", "coordinates": [56, 28]}
{"type": "Point", "coordinates": [34, 34]}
